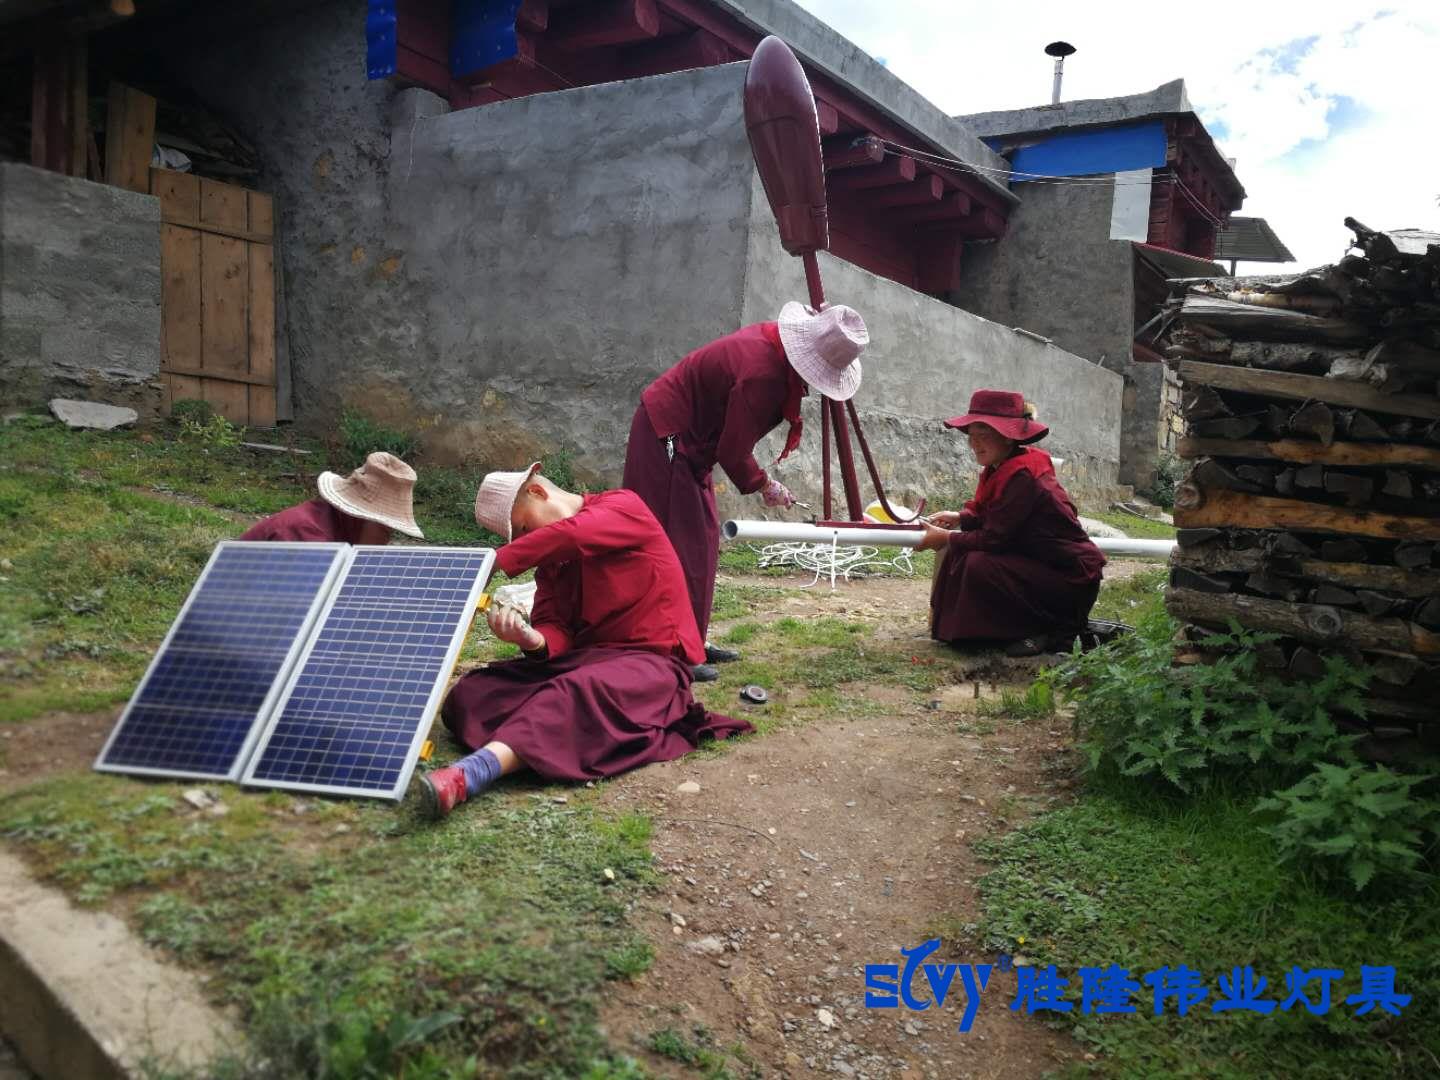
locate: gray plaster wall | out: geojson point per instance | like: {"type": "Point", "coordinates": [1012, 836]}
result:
{"type": "Point", "coordinates": [1057, 273]}
{"type": "Point", "coordinates": [563, 250]}
{"type": "Point", "coordinates": [79, 291]}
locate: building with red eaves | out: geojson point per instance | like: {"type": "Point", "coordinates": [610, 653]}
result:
{"type": "Point", "coordinates": [1116, 195]}
{"type": "Point", "coordinates": [498, 220]}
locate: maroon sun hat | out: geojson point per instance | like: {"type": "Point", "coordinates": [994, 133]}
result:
{"type": "Point", "coordinates": [1006, 412]}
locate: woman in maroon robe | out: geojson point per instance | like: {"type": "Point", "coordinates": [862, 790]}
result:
{"type": "Point", "coordinates": [711, 409]}
{"type": "Point", "coordinates": [604, 685]}
{"type": "Point", "coordinates": [1019, 568]}
{"type": "Point", "coordinates": [362, 508]}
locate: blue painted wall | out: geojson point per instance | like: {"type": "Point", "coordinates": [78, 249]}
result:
{"type": "Point", "coordinates": [1088, 153]}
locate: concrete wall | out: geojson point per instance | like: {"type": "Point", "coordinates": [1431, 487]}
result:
{"type": "Point", "coordinates": [79, 291]}
{"type": "Point", "coordinates": [1057, 272]}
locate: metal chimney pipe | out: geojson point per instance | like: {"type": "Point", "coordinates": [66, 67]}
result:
{"type": "Point", "coordinates": [1059, 50]}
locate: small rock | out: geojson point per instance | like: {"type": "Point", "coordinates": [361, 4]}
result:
{"type": "Point", "coordinates": [850, 803]}
{"type": "Point", "coordinates": [689, 787]}
{"type": "Point", "coordinates": [709, 945]}
{"type": "Point", "coordinates": [844, 1068]}
{"type": "Point", "coordinates": [677, 919]}
{"type": "Point", "coordinates": [771, 831]}
{"type": "Point", "coordinates": [609, 874]}
{"type": "Point", "coordinates": [6, 565]}
{"type": "Point", "coordinates": [1023, 961]}
{"type": "Point", "coordinates": [806, 855]}
{"type": "Point", "coordinates": [911, 1029]}
{"type": "Point", "coordinates": [199, 798]}
{"type": "Point", "coordinates": [91, 414]}
{"type": "Point", "coordinates": [218, 810]}
{"type": "Point", "coordinates": [826, 1018]}
{"type": "Point", "coordinates": [677, 931]}
{"type": "Point", "coordinates": [561, 799]}
{"type": "Point", "coordinates": [341, 829]}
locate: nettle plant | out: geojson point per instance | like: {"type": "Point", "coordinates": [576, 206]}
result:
{"type": "Point", "coordinates": [1364, 820]}
{"type": "Point", "coordinates": [1188, 727]}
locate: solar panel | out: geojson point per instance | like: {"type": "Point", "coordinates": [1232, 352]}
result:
{"type": "Point", "coordinates": [223, 663]}
{"type": "Point", "coordinates": [360, 700]}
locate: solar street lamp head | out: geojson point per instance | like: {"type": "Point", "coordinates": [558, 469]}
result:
{"type": "Point", "coordinates": [1061, 49]}
{"type": "Point", "coordinates": [784, 131]}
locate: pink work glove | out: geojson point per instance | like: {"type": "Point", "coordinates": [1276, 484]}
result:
{"type": "Point", "coordinates": [777, 494]}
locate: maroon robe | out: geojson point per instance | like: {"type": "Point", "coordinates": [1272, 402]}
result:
{"type": "Point", "coordinates": [717, 403]}
{"type": "Point", "coordinates": [1020, 565]}
{"type": "Point", "coordinates": [311, 521]}
{"type": "Point", "coordinates": [613, 691]}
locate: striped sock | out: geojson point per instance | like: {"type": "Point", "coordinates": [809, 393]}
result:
{"type": "Point", "coordinates": [481, 769]}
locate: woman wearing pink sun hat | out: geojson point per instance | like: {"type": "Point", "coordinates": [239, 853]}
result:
{"type": "Point", "coordinates": [712, 408]}
{"type": "Point", "coordinates": [1018, 568]}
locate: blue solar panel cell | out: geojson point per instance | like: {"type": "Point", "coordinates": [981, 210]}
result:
{"type": "Point", "coordinates": [195, 712]}
{"type": "Point", "coordinates": [362, 696]}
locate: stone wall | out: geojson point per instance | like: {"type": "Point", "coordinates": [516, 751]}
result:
{"type": "Point", "coordinates": [79, 291]}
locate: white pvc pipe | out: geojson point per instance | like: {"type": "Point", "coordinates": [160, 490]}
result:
{"type": "Point", "coordinates": [798, 532]}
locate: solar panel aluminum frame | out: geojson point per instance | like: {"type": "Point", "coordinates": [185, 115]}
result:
{"type": "Point", "coordinates": [322, 597]}
{"type": "Point", "coordinates": [422, 729]}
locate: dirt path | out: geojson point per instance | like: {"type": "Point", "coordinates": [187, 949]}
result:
{"type": "Point", "coordinates": [816, 850]}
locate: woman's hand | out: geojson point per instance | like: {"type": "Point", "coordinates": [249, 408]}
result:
{"type": "Point", "coordinates": [508, 624]}
{"type": "Point", "coordinates": [945, 519]}
{"type": "Point", "coordinates": [935, 538]}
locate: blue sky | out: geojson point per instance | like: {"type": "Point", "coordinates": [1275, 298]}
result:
{"type": "Point", "coordinates": [1325, 105]}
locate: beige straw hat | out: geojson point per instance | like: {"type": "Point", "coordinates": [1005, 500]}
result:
{"type": "Point", "coordinates": [496, 498]}
{"type": "Point", "coordinates": [380, 490]}
{"type": "Point", "coordinates": [825, 348]}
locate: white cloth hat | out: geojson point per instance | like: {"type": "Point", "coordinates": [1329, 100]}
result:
{"type": "Point", "coordinates": [496, 498]}
{"type": "Point", "coordinates": [381, 490]}
{"type": "Point", "coordinates": [825, 348]}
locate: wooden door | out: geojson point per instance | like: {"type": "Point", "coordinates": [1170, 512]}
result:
{"type": "Point", "coordinates": [217, 304]}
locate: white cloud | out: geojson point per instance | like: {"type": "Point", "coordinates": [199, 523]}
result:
{"type": "Point", "coordinates": [1325, 105]}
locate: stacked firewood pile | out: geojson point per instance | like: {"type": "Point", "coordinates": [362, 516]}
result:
{"type": "Point", "coordinates": [1312, 509]}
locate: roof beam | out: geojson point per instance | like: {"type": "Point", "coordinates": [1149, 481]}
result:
{"type": "Point", "coordinates": [889, 171]}
{"type": "Point", "coordinates": [848, 153]}
{"type": "Point", "coordinates": [615, 22]}
{"type": "Point", "coordinates": [922, 192]}
{"type": "Point", "coordinates": [952, 207]}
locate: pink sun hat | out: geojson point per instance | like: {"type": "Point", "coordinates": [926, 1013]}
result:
{"type": "Point", "coordinates": [825, 348]}
{"type": "Point", "coordinates": [496, 498]}
{"type": "Point", "coordinates": [380, 490]}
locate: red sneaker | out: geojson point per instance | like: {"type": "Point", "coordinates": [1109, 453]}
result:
{"type": "Point", "coordinates": [441, 790]}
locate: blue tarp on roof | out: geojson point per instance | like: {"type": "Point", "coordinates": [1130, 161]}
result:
{"type": "Point", "coordinates": [1089, 153]}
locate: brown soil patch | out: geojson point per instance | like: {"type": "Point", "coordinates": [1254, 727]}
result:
{"type": "Point", "coordinates": [50, 744]}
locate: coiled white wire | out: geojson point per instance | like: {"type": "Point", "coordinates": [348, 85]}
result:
{"type": "Point", "coordinates": [834, 561]}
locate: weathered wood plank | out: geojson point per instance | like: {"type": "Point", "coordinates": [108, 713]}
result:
{"type": "Point", "coordinates": [224, 295]}
{"type": "Point", "coordinates": [1287, 384]}
{"type": "Point", "coordinates": [1229, 509]}
{"type": "Point", "coordinates": [1413, 584]}
{"type": "Point", "coordinates": [1269, 324]}
{"type": "Point", "coordinates": [1304, 452]}
{"type": "Point", "coordinates": [180, 305]}
{"type": "Point", "coordinates": [1308, 622]}
{"type": "Point", "coordinates": [262, 335]}
{"type": "Point", "coordinates": [129, 138]}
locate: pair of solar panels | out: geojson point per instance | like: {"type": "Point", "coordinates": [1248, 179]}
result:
{"type": "Point", "coordinates": [310, 666]}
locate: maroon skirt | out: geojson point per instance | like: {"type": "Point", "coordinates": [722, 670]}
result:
{"type": "Point", "coordinates": [984, 595]}
{"type": "Point", "coordinates": [683, 503]}
{"type": "Point", "coordinates": [590, 713]}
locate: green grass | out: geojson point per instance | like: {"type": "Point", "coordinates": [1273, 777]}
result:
{"type": "Point", "coordinates": [1126, 600]}
{"type": "Point", "coordinates": [330, 924]}
{"type": "Point", "coordinates": [702, 1054]}
{"type": "Point", "coordinates": [1130, 877]}
{"type": "Point", "coordinates": [1138, 527]}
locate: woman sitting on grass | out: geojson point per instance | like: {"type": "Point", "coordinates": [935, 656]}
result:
{"type": "Point", "coordinates": [1017, 567]}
